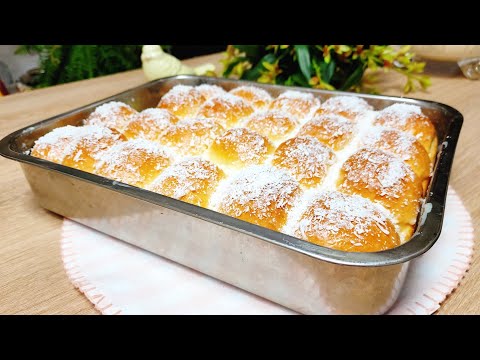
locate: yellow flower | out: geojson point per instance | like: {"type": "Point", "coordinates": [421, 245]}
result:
{"type": "Point", "coordinates": [269, 76]}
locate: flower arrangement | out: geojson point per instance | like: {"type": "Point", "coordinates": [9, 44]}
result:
{"type": "Point", "coordinates": [330, 67]}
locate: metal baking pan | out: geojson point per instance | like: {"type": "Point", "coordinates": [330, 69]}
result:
{"type": "Point", "coordinates": [294, 273]}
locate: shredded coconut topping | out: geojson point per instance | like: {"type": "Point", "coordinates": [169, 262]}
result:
{"type": "Point", "coordinates": [306, 158]}
{"type": "Point", "coordinates": [229, 100]}
{"type": "Point", "coordinates": [292, 94]}
{"type": "Point", "coordinates": [150, 124]}
{"type": "Point", "coordinates": [123, 160]}
{"type": "Point", "coordinates": [328, 214]}
{"type": "Point", "coordinates": [113, 114]}
{"type": "Point", "coordinates": [63, 141]}
{"type": "Point", "coordinates": [257, 188]}
{"type": "Point", "coordinates": [273, 124]}
{"type": "Point", "coordinates": [334, 130]}
{"type": "Point", "coordinates": [209, 91]}
{"type": "Point", "coordinates": [187, 176]}
{"type": "Point", "coordinates": [351, 104]}
{"type": "Point", "coordinates": [398, 142]}
{"type": "Point", "coordinates": [192, 136]}
{"type": "Point", "coordinates": [248, 146]}
{"type": "Point", "coordinates": [400, 113]}
{"type": "Point", "coordinates": [381, 171]}
{"type": "Point", "coordinates": [252, 94]}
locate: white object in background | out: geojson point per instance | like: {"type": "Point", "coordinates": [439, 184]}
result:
{"type": "Point", "coordinates": [158, 64]}
{"type": "Point", "coordinates": [18, 64]}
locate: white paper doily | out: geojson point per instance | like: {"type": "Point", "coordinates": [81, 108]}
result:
{"type": "Point", "coordinates": [122, 279]}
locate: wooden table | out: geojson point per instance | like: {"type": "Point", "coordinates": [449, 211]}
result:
{"type": "Point", "coordinates": [32, 279]}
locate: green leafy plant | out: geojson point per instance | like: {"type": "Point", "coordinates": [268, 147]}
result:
{"type": "Point", "coordinates": [331, 67]}
{"type": "Point", "coordinates": [65, 63]}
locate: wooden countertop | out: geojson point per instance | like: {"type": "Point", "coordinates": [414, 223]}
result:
{"type": "Point", "coordinates": [32, 279]}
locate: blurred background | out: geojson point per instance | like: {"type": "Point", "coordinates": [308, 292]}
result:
{"type": "Point", "coordinates": [331, 67]}
{"type": "Point", "coordinates": [20, 63]}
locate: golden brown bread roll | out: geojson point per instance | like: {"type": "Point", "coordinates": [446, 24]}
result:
{"type": "Point", "coordinates": [192, 180]}
{"type": "Point", "coordinates": [208, 91]}
{"type": "Point", "coordinates": [150, 124]}
{"type": "Point", "coordinates": [134, 162]}
{"type": "Point", "coordinates": [115, 115]}
{"type": "Point", "coordinates": [191, 137]}
{"type": "Point", "coordinates": [305, 158]}
{"type": "Point", "coordinates": [77, 147]}
{"type": "Point", "coordinates": [227, 109]}
{"type": "Point", "coordinates": [410, 118]}
{"type": "Point", "coordinates": [239, 147]}
{"type": "Point", "coordinates": [333, 130]}
{"type": "Point", "coordinates": [405, 146]}
{"type": "Point", "coordinates": [182, 101]}
{"type": "Point", "coordinates": [348, 106]}
{"type": "Point", "coordinates": [254, 95]}
{"type": "Point", "coordinates": [346, 222]}
{"type": "Point", "coordinates": [259, 194]}
{"type": "Point", "coordinates": [275, 125]}
{"type": "Point", "coordinates": [296, 103]}
{"type": "Point", "coordinates": [383, 178]}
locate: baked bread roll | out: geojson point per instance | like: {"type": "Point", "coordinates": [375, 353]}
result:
{"type": "Point", "coordinates": [296, 103]}
{"type": "Point", "coordinates": [134, 162]}
{"type": "Point", "coordinates": [208, 91]}
{"type": "Point", "coordinates": [410, 118]}
{"type": "Point", "coordinates": [333, 130]}
{"type": "Point", "coordinates": [191, 137]}
{"type": "Point", "coordinates": [77, 147]}
{"type": "Point", "coordinates": [227, 109]}
{"type": "Point", "coordinates": [346, 222]}
{"type": "Point", "coordinates": [150, 124]}
{"type": "Point", "coordinates": [239, 147]}
{"type": "Point", "coordinates": [114, 115]}
{"type": "Point", "coordinates": [259, 194]}
{"type": "Point", "coordinates": [192, 180]}
{"type": "Point", "coordinates": [255, 96]}
{"type": "Point", "coordinates": [405, 146]}
{"type": "Point", "coordinates": [275, 125]}
{"type": "Point", "coordinates": [182, 101]}
{"type": "Point", "coordinates": [386, 179]}
{"type": "Point", "coordinates": [348, 106]}
{"type": "Point", "coordinates": [305, 158]}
